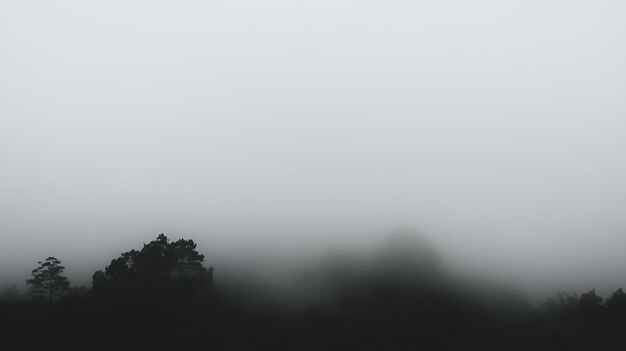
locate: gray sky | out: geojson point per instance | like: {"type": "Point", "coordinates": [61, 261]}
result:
{"type": "Point", "coordinates": [495, 127]}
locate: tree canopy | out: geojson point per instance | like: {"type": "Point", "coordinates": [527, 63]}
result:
{"type": "Point", "coordinates": [160, 266]}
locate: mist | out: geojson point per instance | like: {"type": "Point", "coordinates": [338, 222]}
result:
{"type": "Point", "coordinates": [275, 132]}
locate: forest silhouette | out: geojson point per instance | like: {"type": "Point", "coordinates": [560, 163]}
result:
{"type": "Point", "coordinates": [163, 296]}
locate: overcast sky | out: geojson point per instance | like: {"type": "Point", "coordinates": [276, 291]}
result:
{"type": "Point", "coordinates": [497, 128]}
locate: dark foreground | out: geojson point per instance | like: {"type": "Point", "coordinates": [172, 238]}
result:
{"type": "Point", "coordinates": [379, 317]}
{"type": "Point", "coordinates": [162, 298]}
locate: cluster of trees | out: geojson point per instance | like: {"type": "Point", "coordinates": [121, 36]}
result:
{"type": "Point", "coordinates": [589, 305]}
{"type": "Point", "coordinates": [161, 269]}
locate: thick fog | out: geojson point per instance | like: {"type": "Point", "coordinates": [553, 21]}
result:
{"type": "Point", "coordinates": [289, 129]}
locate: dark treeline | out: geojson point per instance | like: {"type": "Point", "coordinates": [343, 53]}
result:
{"type": "Point", "coordinates": [163, 296]}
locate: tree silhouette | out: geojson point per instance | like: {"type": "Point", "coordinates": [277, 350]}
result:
{"type": "Point", "coordinates": [590, 304]}
{"type": "Point", "coordinates": [563, 301]}
{"type": "Point", "coordinates": [186, 260]}
{"type": "Point", "coordinates": [160, 265]}
{"type": "Point", "coordinates": [47, 280]}
{"type": "Point", "coordinates": [616, 304]}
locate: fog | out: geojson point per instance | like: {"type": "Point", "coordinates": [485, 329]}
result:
{"type": "Point", "coordinates": [280, 131]}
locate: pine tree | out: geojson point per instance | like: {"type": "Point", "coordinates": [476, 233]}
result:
{"type": "Point", "coordinates": [47, 281]}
